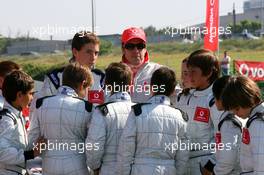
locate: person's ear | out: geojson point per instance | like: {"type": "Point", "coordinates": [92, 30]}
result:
{"type": "Point", "coordinates": [75, 53]}
{"type": "Point", "coordinates": [123, 49]}
{"type": "Point", "coordinates": [1, 82]}
{"type": "Point", "coordinates": [209, 75]}
{"type": "Point", "coordinates": [19, 94]}
{"type": "Point", "coordinates": [82, 86]}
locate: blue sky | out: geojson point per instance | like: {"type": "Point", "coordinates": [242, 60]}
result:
{"type": "Point", "coordinates": [61, 18]}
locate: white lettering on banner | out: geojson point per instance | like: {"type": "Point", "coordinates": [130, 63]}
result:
{"type": "Point", "coordinates": [255, 72]}
{"type": "Point", "coordinates": [211, 20]}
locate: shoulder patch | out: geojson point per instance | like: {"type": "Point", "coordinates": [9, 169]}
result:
{"type": "Point", "coordinates": [98, 72]}
{"type": "Point", "coordinates": [40, 101]}
{"type": "Point", "coordinates": [179, 96]}
{"type": "Point", "coordinates": [184, 114]}
{"type": "Point", "coordinates": [53, 76]}
{"type": "Point", "coordinates": [103, 108]}
{"type": "Point", "coordinates": [137, 108]}
{"type": "Point", "coordinates": [7, 113]}
{"type": "Point", "coordinates": [88, 105]}
{"type": "Point", "coordinates": [211, 102]}
{"type": "Point", "coordinates": [254, 117]}
{"type": "Point", "coordinates": [234, 120]}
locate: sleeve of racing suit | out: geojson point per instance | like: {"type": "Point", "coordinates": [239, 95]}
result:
{"type": "Point", "coordinates": [34, 129]}
{"type": "Point", "coordinates": [227, 157]}
{"type": "Point", "coordinates": [215, 116]}
{"type": "Point", "coordinates": [127, 146]}
{"type": "Point", "coordinates": [96, 137]}
{"type": "Point", "coordinates": [46, 90]}
{"type": "Point", "coordinates": [257, 146]}
{"type": "Point", "coordinates": [182, 156]}
{"type": "Point", "coordinates": [9, 152]}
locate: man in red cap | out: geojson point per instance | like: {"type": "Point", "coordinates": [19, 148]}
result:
{"type": "Point", "coordinates": [135, 55]}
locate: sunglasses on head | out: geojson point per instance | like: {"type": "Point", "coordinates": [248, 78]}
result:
{"type": "Point", "coordinates": [130, 46]}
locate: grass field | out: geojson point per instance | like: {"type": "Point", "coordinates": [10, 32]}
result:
{"type": "Point", "coordinates": [169, 54]}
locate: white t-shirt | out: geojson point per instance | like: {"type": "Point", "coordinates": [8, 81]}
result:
{"type": "Point", "coordinates": [225, 63]}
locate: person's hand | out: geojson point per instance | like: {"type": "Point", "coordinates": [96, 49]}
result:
{"type": "Point", "coordinates": [41, 145]}
{"type": "Point", "coordinates": [96, 172]}
{"type": "Point", "coordinates": [204, 171]}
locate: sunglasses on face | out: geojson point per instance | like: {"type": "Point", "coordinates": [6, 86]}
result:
{"type": "Point", "coordinates": [130, 46]}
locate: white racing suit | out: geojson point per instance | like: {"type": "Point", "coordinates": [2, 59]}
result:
{"type": "Point", "coordinates": [62, 119]}
{"type": "Point", "coordinates": [13, 141]}
{"type": "Point", "coordinates": [252, 146]}
{"type": "Point", "coordinates": [201, 127]}
{"type": "Point", "coordinates": [182, 99]}
{"type": "Point", "coordinates": [141, 81]}
{"type": "Point", "coordinates": [53, 81]}
{"type": "Point", "coordinates": [1, 100]}
{"type": "Point", "coordinates": [107, 123]}
{"type": "Point", "coordinates": [150, 138]}
{"type": "Point", "coordinates": [229, 135]}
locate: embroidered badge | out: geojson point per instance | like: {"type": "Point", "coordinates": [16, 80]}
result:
{"type": "Point", "coordinates": [245, 136]}
{"type": "Point", "coordinates": [95, 96]}
{"type": "Point", "coordinates": [202, 114]}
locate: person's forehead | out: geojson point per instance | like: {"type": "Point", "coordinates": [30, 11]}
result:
{"type": "Point", "coordinates": [135, 41]}
{"type": "Point", "coordinates": [91, 46]}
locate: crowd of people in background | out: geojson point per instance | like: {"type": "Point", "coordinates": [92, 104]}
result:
{"type": "Point", "coordinates": [131, 118]}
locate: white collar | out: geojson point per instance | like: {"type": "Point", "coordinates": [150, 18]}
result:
{"type": "Point", "coordinates": [119, 96]}
{"type": "Point", "coordinates": [160, 99]}
{"type": "Point", "coordinates": [66, 90]}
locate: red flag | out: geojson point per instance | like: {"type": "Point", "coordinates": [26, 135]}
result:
{"type": "Point", "coordinates": [252, 69]}
{"type": "Point", "coordinates": [211, 24]}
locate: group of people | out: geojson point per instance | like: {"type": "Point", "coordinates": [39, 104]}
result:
{"type": "Point", "coordinates": [130, 119]}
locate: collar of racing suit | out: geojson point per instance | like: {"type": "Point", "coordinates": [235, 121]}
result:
{"type": "Point", "coordinates": [159, 99]}
{"type": "Point", "coordinates": [135, 69]}
{"type": "Point", "coordinates": [119, 96]}
{"type": "Point", "coordinates": [66, 90]}
{"type": "Point", "coordinates": [258, 108]}
{"type": "Point", "coordinates": [203, 92]}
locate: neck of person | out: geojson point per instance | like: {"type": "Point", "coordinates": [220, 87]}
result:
{"type": "Point", "coordinates": [16, 106]}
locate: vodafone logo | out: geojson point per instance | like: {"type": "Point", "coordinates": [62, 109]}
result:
{"type": "Point", "coordinates": [255, 72]}
{"type": "Point", "coordinates": [96, 95]}
{"type": "Point", "coordinates": [201, 113]}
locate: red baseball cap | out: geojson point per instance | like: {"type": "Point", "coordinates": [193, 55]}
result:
{"type": "Point", "coordinates": [133, 32]}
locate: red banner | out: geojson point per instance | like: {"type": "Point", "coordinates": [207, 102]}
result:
{"type": "Point", "coordinates": [211, 24]}
{"type": "Point", "coordinates": [251, 69]}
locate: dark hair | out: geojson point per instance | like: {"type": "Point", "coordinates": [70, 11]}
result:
{"type": "Point", "coordinates": [7, 66]}
{"type": "Point", "coordinates": [118, 74]}
{"type": "Point", "coordinates": [185, 60]}
{"type": "Point", "coordinates": [207, 62]}
{"type": "Point", "coordinates": [74, 74]}
{"type": "Point", "coordinates": [240, 92]}
{"type": "Point", "coordinates": [219, 86]}
{"type": "Point", "coordinates": [15, 82]}
{"type": "Point", "coordinates": [81, 38]}
{"type": "Point", "coordinates": [164, 77]}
